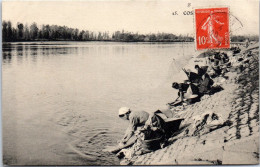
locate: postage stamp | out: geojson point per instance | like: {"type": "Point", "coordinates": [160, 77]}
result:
{"type": "Point", "coordinates": [212, 28]}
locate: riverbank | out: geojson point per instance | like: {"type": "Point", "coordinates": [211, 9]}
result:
{"type": "Point", "coordinates": [236, 142]}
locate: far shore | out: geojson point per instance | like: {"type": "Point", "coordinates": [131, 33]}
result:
{"type": "Point", "coordinates": [110, 41]}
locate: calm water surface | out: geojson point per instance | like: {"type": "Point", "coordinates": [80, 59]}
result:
{"type": "Point", "coordinates": [63, 97]}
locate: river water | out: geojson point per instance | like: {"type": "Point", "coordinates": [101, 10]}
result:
{"type": "Point", "coordinates": [61, 99]}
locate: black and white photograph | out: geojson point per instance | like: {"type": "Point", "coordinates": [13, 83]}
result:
{"type": "Point", "coordinates": [126, 82]}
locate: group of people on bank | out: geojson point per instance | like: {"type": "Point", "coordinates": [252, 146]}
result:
{"type": "Point", "coordinates": [198, 84]}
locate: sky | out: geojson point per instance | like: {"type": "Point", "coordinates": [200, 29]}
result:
{"type": "Point", "coordinates": [142, 16]}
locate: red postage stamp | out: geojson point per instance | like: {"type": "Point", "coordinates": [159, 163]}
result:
{"type": "Point", "coordinates": [212, 28]}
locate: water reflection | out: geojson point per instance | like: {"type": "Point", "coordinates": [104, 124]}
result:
{"type": "Point", "coordinates": [34, 50]}
{"type": "Point", "coordinates": [21, 50]}
{"type": "Point", "coordinates": [7, 57]}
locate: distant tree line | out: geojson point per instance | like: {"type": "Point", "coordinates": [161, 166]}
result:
{"type": "Point", "coordinates": [240, 38]}
{"type": "Point", "coordinates": [23, 32]}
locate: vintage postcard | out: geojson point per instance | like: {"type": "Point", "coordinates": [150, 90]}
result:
{"type": "Point", "coordinates": [149, 82]}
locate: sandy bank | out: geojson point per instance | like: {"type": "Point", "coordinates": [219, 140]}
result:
{"type": "Point", "coordinates": [235, 143]}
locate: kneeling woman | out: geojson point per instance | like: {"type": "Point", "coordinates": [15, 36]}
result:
{"type": "Point", "coordinates": [187, 92]}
